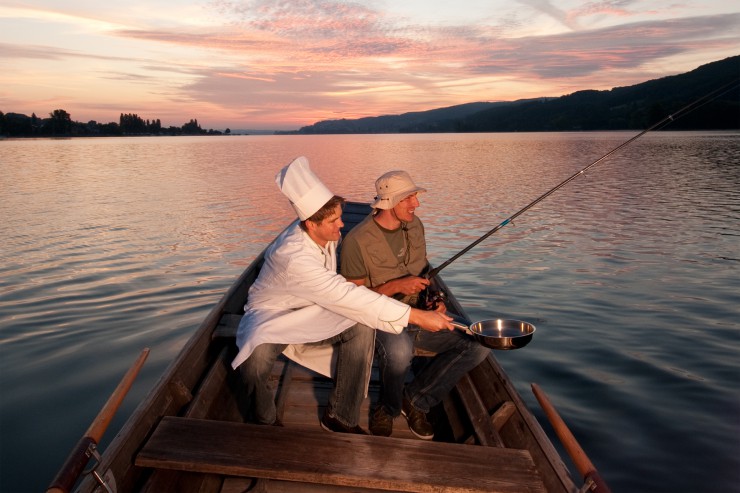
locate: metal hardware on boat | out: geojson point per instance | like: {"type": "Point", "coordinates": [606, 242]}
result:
{"type": "Point", "coordinates": [103, 481]}
{"type": "Point", "coordinates": [588, 485]}
{"type": "Point", "coordinates": [107, 483]}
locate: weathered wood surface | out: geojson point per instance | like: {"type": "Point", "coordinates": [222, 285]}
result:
{"type": "Point", "coordinates": [479, 416]}
{"type": "Point", "coordinates": [314, 456]}
{"type": "Point", "coordinates": [234, 484]}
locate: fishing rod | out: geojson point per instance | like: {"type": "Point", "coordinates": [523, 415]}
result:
{"type": "Point", "coordinates": [665, 121]}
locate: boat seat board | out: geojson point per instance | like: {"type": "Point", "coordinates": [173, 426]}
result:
{"type": "Point", "coordinates": [227, 325]}
{"type": "Point", "coordinates": [319, 457]}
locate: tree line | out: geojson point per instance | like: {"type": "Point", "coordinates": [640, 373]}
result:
{"type": "Point", "coordinates": [60, 124]}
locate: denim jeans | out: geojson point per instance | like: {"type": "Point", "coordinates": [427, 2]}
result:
{"type": "Point", "coordinates": [353, 364]}
{"type": "Point", "coordinates": [457, 354]}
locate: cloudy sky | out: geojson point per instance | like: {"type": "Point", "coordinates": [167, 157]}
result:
{"type": "Point", "coordinates": [282, 64]}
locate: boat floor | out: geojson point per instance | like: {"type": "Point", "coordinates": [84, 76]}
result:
{"type": "Point", "coordinates": [302, 396]}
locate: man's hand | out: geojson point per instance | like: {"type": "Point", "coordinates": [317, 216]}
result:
{"type": "Point", "coordinates": [440, 307]}
{"type": "Point", "coordinates": [432, 321]}
{"type": "Point", "coordinates": [407, 285]}
{"type": "Point", "coordinates": [403, 285]}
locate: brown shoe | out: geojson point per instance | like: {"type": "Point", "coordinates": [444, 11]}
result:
{"type": "Point", "coordinates": [381, 423]}
{"type": "Point", "coordinates": [330, 423]}
{"type": "Point", "coordinates": [417, 420]}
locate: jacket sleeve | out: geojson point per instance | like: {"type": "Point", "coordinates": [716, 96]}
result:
{"type": "Point", "coordinates": [309, 279]}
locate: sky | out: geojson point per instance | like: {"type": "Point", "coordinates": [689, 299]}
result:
{"type": "Point", "coordinates": [284, 64]}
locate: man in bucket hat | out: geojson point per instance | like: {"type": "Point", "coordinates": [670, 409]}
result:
{"type": "Point", "coordinates": [387, 253]}
{"type": "Point", "coordinates": [300, 306]}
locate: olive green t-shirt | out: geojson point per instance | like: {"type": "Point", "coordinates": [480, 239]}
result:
{"type": "Point", "coordinates": [353, 266]}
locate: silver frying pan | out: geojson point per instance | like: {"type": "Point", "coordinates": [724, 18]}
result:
{"type": "Point", "coordinates": [499, 333]}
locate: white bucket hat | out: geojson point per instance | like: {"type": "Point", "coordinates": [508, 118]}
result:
{"type": "Point", "coordinates": [303, 188]}
{"type": "Point", "coordinates": [393, 187]}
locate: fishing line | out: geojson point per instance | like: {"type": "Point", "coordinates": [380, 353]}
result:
{"type": "Point", "coordinates": [662, 123]}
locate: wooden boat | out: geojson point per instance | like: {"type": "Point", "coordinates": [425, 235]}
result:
{"type": "Point", "coordinates": [189, 434]}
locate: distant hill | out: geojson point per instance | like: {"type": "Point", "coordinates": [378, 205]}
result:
{"type": "Point", "coordinates": [438, 120]}
{"type": "Point", "coordinates": [621, 108]}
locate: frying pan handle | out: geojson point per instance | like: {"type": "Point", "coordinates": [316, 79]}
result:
{"type": "Point", "coordinates": [461, 326]}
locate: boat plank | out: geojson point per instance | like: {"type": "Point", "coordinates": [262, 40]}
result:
{"type": "Point", "coordinates": [211, 388]}
{"type": "Point", "coordinates": [273, 452]}
{"type": "Point", "coordinates": [522, 429]}
{"type": "Point", "coordinates": [187, 482]}
{"type": "Point", "coordinates": [210, 395]}
{"type": "Point", "coordinates": [227, 325]}
{"type": "Point", "coordinates": [479, 415]}
{"type": "Point", "coordinates": [231, 485]}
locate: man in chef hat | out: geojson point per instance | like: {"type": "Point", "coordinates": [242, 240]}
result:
{"type": "Point", "coordinates": [301, 307]}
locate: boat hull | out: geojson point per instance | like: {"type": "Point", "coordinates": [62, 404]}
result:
{"type": "Point", "coordinates": [484, 410]}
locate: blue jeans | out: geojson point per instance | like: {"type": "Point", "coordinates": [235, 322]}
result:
{"type": "Point", "coordinates": [354, 360]}
{"type": "Point", "coordinates": [457, 354]}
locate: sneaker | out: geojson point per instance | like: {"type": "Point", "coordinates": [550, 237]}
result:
{"type": "Point", "coordinates": [381, 423]}
{"type": "Point", "coordinates": [417, 420]}
{"type": "Point", "coordinates": [330, 423]}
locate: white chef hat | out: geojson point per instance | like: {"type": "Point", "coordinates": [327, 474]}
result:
{"type": "Point", "coordinates": [303, 188]}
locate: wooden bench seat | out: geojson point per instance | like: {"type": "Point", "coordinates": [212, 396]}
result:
{"type": "Point", "coordinates": [227, 326]}
{"type": "Point", "coordinates": [316, 456]}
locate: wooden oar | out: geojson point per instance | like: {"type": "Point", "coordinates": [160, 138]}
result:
{"type": "Point", "coordinates": [581, 460]}
{"type": "Point", "coordinates": [80, 455]}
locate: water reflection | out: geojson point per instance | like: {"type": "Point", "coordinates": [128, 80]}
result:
{"type": "Point", "coordinates": [630, 274]}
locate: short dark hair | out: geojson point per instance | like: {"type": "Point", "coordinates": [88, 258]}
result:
{"type": "Point", "coordinates": [326, 210]}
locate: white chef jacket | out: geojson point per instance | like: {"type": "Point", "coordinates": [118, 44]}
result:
{"type": "Point", "coordinates": [299, 298]}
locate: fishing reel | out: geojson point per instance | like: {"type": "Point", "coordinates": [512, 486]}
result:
{"type": "Point", "coordinates": [430, 299]}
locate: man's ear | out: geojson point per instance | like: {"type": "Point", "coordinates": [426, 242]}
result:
{"type": "Point", "coordinates": [310, 225]}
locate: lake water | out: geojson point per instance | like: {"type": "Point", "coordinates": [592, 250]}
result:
{"type": "Point", "coordinates": [631, 274]}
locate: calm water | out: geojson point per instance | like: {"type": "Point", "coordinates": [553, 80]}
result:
{"type": "Point", "coordinates": [631, 274]}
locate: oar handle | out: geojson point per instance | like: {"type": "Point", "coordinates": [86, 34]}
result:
{"type": "Point", "coordinates": [73, 467]}
{"type": "Point", "coordinates": [80, 455]}
{"type": "Point", "coordinates": [581, 460]}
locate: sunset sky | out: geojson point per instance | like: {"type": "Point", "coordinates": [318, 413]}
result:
{"type": "Point", "coordinates": [283, 64]}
